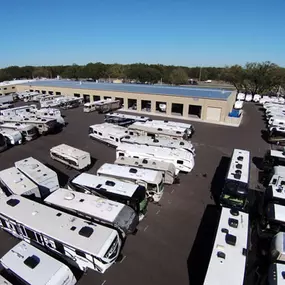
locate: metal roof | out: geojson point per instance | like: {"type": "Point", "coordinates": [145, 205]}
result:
{"type": "Point", "coordinates": [137, 88]}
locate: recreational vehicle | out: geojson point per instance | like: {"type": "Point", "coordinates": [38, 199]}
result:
{"type": "Point", "coordinates": [103, 211]}
{"type": "Point", "coordinates": [152, 180]}
{"type": "Point", "coordinates": [235, 190]}
{"type": "Point", "coordinates": [124, 119]}
{"type": "Point", "coordinates": [276, 274]}
{"type": "Point", "coordinates": [241, 96]}
{"type": "Point", "coordinates": [108, 133]}
{"type": "Point", "coordinates": [277, 248]}
{"type": "Point", "coordinates": [229, 256]}
{"type": "Point", "coordinates": [102, 106]}
{"type": "Point", "coordinates": [127, 193]}
{"type": "Point", "coordinates": [183, 160]}
{"type": "Point", "coordinates": [167, 169]}
{"type": "Point", "coordinates": [71, 156]}
{"type": "Point", "coordinates": [81, 243]}
{"type": "Point", "coordinates": [153, 129]}
{"type": "Point", "coordinates": [45, 178]}
{"type": "Point", "coordinates": [27, 264]}
{"type": "Point", "coordinates": [3, 143]}
{"type": "Point", "coordinates": [28, 132]}
{"type": "Point", "coordinates": [30, 96]}
{"type": "Point", "coordinates": [51, 100]}
{"type": "Point", "coordinates": [4, 281]}
{"type": "Point", "coordinates": [12, 181]}
{"type": "Point", "coordinates": [70, 103]}
{"type": "Point", "coordinates": [44, 126]}
{"type": "Point", "coordinates": [18, 110]}
{"type": "Point", "coordinates": [13, 137]}
{"type": "Point", "coordinates": [276, 190]}
{"type": "Point", "coordinates": [160, 142]}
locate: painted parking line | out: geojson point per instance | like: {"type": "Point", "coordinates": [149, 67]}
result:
{"type": "Point", "coordinates": [123, 258]}
{"type": "Point", "coordinates": [103, 282]}
{"type": "Point", "coordinates": [157, 212]}
{"type": "Point", "coordinates": [145, 228]}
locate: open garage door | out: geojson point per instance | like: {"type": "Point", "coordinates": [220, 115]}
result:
{"type": "Point", "coordinates": [213, 114]}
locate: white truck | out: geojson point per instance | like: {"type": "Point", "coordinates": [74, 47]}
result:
{"type": "Point", "coordinates": [27, 263]}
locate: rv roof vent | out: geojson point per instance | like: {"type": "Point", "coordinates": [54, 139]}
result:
{"type": "Point", "coordinates": [182, 143]}
{"type": "Point", "coordinates": [238, 172]}
{"type": "Point", "coordinates": [133, 170]}
{"type": "Point", "coordinates": [159, 129]}
{"type": "Point", "coordinates": [127, 137]}
{"type": "Point", "coordinates": [144, 161]}
{"type": "Point", "coordinates": [240, 158]}
{"type": "Point", "coordinates": [178, 132]}
{"type": "Point", "coordinates": [233, 223]}
{"type": "Point", "coordinates": [110, 183]}
{"type": "Point", "coordinates": [239, 166]}
{"type": "Point", "coordinates": [86, 231]}
{"type": "Point", "coordinates": [69, 196]}
{"type": "Point", "coordinates": [155, 140]}
{"type": "Point", "coordinates": [224, 230]}
{"type": "Point", "coordinates": [221, 254]}
{"type": "Point", "coordinates": [231, 239]}
{"type": "Point", "coordinates": [237, 176]}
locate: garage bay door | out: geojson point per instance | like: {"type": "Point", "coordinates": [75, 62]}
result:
{"type": "Point", "coordinates": [213, 114]}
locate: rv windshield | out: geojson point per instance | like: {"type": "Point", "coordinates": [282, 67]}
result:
{"type": "Point", "coordinates": [161, 186]}
{"type": "Point", "coordinates": [236, 189]}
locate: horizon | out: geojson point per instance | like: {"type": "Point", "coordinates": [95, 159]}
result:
{"type": "Point", "coordinates": [184, 33]}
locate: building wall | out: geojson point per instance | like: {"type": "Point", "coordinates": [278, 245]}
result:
{"type": "Point", "coordinates": [5, 90]}
{"type": "Point", "coordinates": [223, 105]}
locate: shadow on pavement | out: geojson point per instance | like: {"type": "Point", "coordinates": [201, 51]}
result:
{"type": "Point", "coordinates": [201, 251]}
{"type": "Point", "coordinates": [62, 177]}
{"type": "Point", "coordinates": [219, 178]}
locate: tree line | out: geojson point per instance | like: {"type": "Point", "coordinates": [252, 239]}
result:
{"type": "Point", "coordinates": [252, 78]}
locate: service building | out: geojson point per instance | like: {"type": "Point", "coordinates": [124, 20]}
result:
{"type": "Point", "coordinates": [212, 105]}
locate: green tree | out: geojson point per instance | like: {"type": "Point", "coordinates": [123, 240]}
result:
{"type": "Point", "coordinates": [234, 75]}
{"type": "Point", "coordinates": [41, 72]}
{"type": "Point", "coordinates": [116, 71]}
{"type": "Point", "coordinates": [178, 76]}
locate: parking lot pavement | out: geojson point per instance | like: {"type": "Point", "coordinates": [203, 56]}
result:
{"type": "Point", "coordinates": [158, 253]}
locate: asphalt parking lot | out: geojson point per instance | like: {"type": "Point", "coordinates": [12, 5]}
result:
{"type": "Point", "coordinates": [162, 251]}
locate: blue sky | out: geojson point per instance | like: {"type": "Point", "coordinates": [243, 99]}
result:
{"type": "Point", "coordinates": [179, 32]}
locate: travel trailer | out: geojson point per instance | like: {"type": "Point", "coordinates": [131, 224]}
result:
{"type": "Point", "coordinates": [167, 169]}
{"type": "Point", "coordinates": [12, 181]}
{"type": "Point", "coordinates": [129, 194]}
{"type": "Point", "coordinates": [124, 119]}
{"type": "Point", "coordinates": [71, 156]}
{"type": "Point", "coordinates": [45, 178]}
{"type": "Point", "coordinates": [81, 243]}
{"type": "Point", "coordinates": [183, 160]}
{"type": "Point", "coordinates": [108, 133]}
{"type": "Point", "coordinates": [152, 180]}
{"type": "Point", "coordinates": [160, 142]}
{"type": "Point", "coordinates": [26, 264]}
{"type": "Point", "coordinates": [97, 209]}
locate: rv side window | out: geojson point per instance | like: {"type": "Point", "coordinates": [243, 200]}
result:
{"type": "Point", "coordinates": [59, 247]}
{"type": "Point", "coordinates": [100, 134]}
{"type": "Point", "coordinates": [112, 138]}
{"type": "Point", "coordinates": [91, 131]}
{"type": "Point", "coordinates": [3, 223]}
{"type": "Point", "coordinates": [179, 161]}
{"type": "Point", "coordinates": [31, 234]}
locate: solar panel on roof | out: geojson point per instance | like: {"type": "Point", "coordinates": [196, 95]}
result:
{"type": "Point", "coordinates": [137, 88]}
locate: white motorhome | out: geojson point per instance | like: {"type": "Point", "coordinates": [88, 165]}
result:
{"type": "Point", "coordinates": [44, 101]}
{"type": "Point", "coordinates": [13, 137]}
{"type": "Point", "coordinates": [4, 106]}
{"type": "Point", "coordinates": [160, 142]}
{"type": "Point", "coordinates": [276, 189]}
{"type": "Point", "coordinates": [45, 178]}
{"type": "Point", "coordinates": [82, 244]}
{"type": "Point", "coordinates": [152, 180]}
{"type": "Point", "coordinates": [18, 110]}
{"type": "Point", "coordinates": [228, 260]}
{"type": "Point", "coordinates": [183, 160]}
{"type": "Point", "coordinates": [70, 103]}
{"type": "Point", "coordinates": [100, 210]}
{"type": "Point", "coordinates": [124, 119]}
{"type": "Point", "coordinates": [91, 106]}
{"type": "Point", "coordinates": [71, 156]}
{"type": "Point", "coordinates": [236, 188]}
{"type": "Point", "coordinates": [276, 274]}
{"type": "Point", "coordinates": [248, 97]}
{"type": "Point", "coordinates": [129, 194]}
{"type": "Point", "coordinates": [44, 126]}
{"type": "Point", "coordinates": [28, 132]}
{"type": "Point", "coordinates": [27, 263]}
{"type": "Point", "coordinates": [12, 181]}
{"type": "Point", "coordinates": [277, 248]}
{"type": "Point", "coordinates": [276, 120]}
{"type": "Point", "coordinates": [167, 169]}
{"type": "Point", "coordinates": [104, 106]}
{"type": "Point", "coordinates": [108, 133]}
{"type": "Point", "coordinates": [30, 96]}
{"type": "Point", "coordinates": [256, 98]}
{"type": "Point", "coordinates": [153, 129]}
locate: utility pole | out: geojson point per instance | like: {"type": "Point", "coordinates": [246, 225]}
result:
{"type": "Point", "coordinates": [200, 73]}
